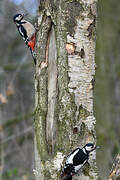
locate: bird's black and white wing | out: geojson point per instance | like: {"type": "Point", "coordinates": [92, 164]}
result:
{"type": "Point", "coordinates": [79, 160]}
{"type": "Point", "coordinates": [30, 29]}
{"type": "Point", "coordinates": [23, 33]}
{"type": "Point", "coordinates": [69, 167]}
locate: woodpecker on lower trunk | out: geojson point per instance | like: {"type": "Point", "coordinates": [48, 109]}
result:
{"type": "Point", "coordinates": [27, 31]}
{"type": "Point", "coordinates": [76, 160]}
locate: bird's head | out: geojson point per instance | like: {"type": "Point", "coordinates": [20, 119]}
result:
{"type": "Point", "coordinates": [18, 17]}
{"type": "Point", "coordinates": [90, 147]}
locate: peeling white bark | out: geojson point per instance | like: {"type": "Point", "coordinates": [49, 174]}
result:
{"type": "Point", "coordinates": [81, 72]}
{"type": "Point", "coordinates": [55, 165]}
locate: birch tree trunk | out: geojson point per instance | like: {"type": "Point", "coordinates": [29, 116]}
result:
{"type": "Point", "coordinates": [64, 84]}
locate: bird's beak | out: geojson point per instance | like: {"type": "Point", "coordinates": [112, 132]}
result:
{"type": "Point", "coordinates": [25, 14]}
{"type": "Point", "coordinates": [98, 147]}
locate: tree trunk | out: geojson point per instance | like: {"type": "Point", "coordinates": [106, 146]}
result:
{"type": "Point", "coordinates": [64, 84]}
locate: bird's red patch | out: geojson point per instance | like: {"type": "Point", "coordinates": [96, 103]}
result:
{"type": "Point", "coordinates": [31, 43]}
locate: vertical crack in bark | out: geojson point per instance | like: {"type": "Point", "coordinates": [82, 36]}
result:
{"type": "Point", "coordinates": [43, 38]}
{"type": "Point", "coordinates": [45, 63]}
{"type": "Point", "coordinates": [52, 81]}
{"type": "Point", "coordinates": [47, 47]}
{"type": "Point", "coordinates": [41, 97]}
{"type": "Point", "coordinates": [72, 73]}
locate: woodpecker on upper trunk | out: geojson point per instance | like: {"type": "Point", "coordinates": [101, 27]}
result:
{"type": "Point", "coordinates": [76, 160]}
{"type": "Point", "coordinates": [27, 31]}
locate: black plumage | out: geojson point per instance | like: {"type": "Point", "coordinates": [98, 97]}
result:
{"type": "Point", "coordinates": [76, 160]}
{"type": "Point", "coordinates": [27, 31]}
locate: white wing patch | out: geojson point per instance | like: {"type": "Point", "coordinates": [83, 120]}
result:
{"type": "Point", "coordinates": [20, 31]}
{"type": "Point", "coordinates": [70, 157]}
{"type": "Point", "coordinates": [77, 168]}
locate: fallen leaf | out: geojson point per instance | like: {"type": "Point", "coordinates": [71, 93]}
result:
{"type": "Point", "coordinates": [10, 90]}
{"type": "Point", "coordinates": [3, 99]}
{"type": "Point", "coordinates": [70, 47]}
{"type": "Point", "coordinates": [24, 178]}
{"type": "Point", "coordinates": [1, 168]}
{"type": "Point", "coordinates": [1, 129]}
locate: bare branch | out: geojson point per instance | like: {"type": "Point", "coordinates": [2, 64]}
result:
{"type": "Point", "coordinates": [115, 172]}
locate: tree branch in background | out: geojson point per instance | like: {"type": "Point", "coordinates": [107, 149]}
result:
{"type": "Point", "coordinates": [115, 172]}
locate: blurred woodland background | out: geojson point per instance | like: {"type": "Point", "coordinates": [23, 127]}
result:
{"type": "Point", "coordinates": [17, 90]}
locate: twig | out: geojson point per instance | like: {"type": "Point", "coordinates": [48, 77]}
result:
{"type": "Point", "coordinates": [29, 129]}
{"type": "Point", "coordinates": [115, 172]}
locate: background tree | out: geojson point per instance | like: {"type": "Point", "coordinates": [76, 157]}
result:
{"type": "Point", "coordinates": [17, 99]}
{"type": "Point", "coordinates": [64, 84]}
{"type": "Point", "coordinates": [107, 86]}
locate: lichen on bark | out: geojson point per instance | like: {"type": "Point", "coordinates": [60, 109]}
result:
{"type": "Point", "coordinates": [70, 121]}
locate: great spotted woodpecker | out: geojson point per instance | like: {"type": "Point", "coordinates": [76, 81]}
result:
{"type": "Point", "coordinates": [76, 160]}
{"type": "Point", "coordinates": [27, 31]}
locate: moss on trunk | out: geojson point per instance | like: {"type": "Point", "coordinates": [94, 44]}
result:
{"type": "Point", "coordinates": [73, 23]}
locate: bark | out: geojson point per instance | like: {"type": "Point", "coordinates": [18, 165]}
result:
{"type": "Point", "coordinates": [64, 84]}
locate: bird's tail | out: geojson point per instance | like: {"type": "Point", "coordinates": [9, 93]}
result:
{"type": "Point", "coordinates": [66, 177]}
{"type": "Point", "coordinates": [67, 172]}
{"type": "Point", "coordinates": [31, 46]}
{"type": "Point", "coordinates": [69, 178]}
{"type": "Point", "coordinates": [33, 55]}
